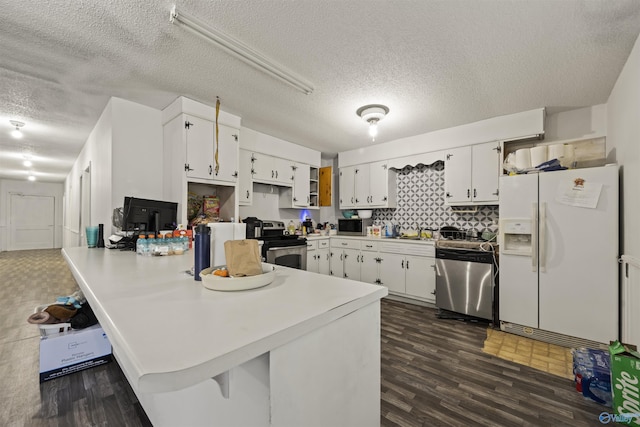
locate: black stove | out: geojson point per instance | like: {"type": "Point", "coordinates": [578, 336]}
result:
{"type": "Point", "coordinates": [280, 248]}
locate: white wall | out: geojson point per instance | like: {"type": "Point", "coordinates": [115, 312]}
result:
{"type": "Point", "coordinates": [265, 206]}
{"type": "Point", "coordinates": [124, 153]}
{"type": "Point", "coordinates": [136, 163]}
{"type": "Point", "coordinates": [512, 126]}
{"type": "Point", "coordinates": [580, 123]}
{"type": "Point", "coordinates": [9, 186]}
{"type": "Point", "coordinates": [623, 124]}
{"type": "Point", "coordinates": [96, 155]}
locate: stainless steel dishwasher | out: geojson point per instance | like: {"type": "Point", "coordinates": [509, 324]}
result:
{"type": "Point", "coordinates": [465, 281]}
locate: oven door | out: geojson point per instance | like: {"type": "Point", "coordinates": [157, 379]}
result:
{"type": "Point", "coordinates": [289, 256]}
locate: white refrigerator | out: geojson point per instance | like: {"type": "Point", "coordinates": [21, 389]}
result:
{"type": "Point", "coordinates": [559, 252]}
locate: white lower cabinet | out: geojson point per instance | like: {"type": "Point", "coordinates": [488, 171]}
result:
{"type": "Point", "coordinates": [318, 256]}
{"type": "Point", "coordinates": [408, 269]}
{"type": "Point", "coordinates": [345, 258]}
{"type": "Point", "coordinates": [369, 262]}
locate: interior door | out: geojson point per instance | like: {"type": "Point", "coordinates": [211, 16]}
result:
{"type": "Point", "coordinates": [32, 220]}
{"type": "Point", "coordinates": [578, 255]}
{"type": "Point", "coordinates": [518, 273]}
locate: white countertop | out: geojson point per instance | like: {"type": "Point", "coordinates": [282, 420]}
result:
{"type": "Point", "coordinates": [431, 242]}
{"type": "Point", "coordinates": [172, 332]}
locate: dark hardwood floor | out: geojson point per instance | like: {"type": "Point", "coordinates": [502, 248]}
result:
{"type": "Point", "coordinates": [434, 372]}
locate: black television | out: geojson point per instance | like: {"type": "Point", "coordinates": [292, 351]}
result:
{"type": "Point", "coordinates": [144, 215]}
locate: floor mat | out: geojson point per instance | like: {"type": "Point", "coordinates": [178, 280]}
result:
{"type": "Point", "coordinates": [550, 358]}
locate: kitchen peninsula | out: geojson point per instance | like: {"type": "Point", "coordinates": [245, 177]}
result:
{"type": "Point", "coordinates": [304, 350]}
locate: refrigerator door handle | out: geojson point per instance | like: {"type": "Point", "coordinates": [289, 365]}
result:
{"type": "Point", "coordinates": [534, 237]}
{"type": "Point", "coordinates": [542, 241]}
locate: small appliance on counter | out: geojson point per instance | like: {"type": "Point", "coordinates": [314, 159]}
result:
{"type": "Point", "coordinates": [354, 226]}
{"type": "Point", "coordinates": [254, 227]}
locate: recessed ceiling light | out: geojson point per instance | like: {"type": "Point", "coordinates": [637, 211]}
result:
{"type": "Point", "coordinates": [32, 178]}
{"type": "Point", "coordinates": [27, 163]}
{"type": "Point", "coordinates": [16, 133]}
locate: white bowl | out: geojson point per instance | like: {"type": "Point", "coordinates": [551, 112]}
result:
{"type": "Point", "coordinates": [366, 213]}
{"type": "Point", "coordinates": [230, 284]}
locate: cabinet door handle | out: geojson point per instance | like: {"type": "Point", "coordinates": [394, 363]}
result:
{"type": "Point", "coordinates": [433, 292]}
{"type": "Point", "coordinates": [247, 194]}
{"type": "Point", "coordinates": [210, 170]}
{"type": "Point", "coordinates": [187, 168]}
{"type": "Point", "coordinates": [475, 194]}
{"type": "Point", "coordinates": [235, 137]}
{"type": "Point", "coordinates": [272, 174]}
{"type": "Point", "coordinates": [497, 193]}
{"type": "Point", "coordinates": [407, 264]}
{"type": "Point", "coordinates": [235, 174]}
{"type": "Point", "coordinates": [187, 124]}
{"type": "Point", "coordinates": [448, 194]}
{"type": "Point", "coordinates": [352, 200]}
{"type": "Point", "coordinates": [468, 193]}
{"type": "Point", "coordinates": [276, 174]}
{"type": "Point", "coordinates": [402, 263]}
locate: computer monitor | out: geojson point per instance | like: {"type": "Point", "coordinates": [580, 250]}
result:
{"type": "Point", "coordinates": [143, 215]}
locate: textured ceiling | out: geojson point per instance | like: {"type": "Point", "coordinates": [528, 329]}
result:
{"type": "Point", "coordinates": [435, 64]}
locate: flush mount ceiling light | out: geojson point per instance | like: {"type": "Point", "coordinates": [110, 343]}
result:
{"type": "Point", "coordinates": [16, 133]}
{"type": "Point", "coordinates": [372, 114]}
{"type": "Point", "coordinates": [240, 50]}
{"type": "Point", "coordinates": [31, 178]}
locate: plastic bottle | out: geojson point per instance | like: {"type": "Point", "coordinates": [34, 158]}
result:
{"type": "Point", "coordinates": [152, 245]}
{"type": "Point", "coordinates": [202, 250]}
{"type": "Point", "coordinates": [292, 228]}
{"type": "Point", "coordinates": [142, 245]}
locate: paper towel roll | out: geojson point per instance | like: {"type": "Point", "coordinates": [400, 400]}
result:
{"type": "Point", "coordinates": [569, 156]}
{"type": "Point", "coordinates": [556, 151]}
{"type": "Point", "coordinates": [220, 233]}
{"type": "Point", "coordinates": [523, 158]}
{"type": "Point", "coordinates": [538, 155]}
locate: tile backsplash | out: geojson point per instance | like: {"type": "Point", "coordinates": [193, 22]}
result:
{"type": "Point", "coordinates": [421, 200]}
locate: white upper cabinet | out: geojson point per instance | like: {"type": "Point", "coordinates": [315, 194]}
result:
{"type": "Point", "coordinates": [485, 170]}
{"type": "Point", "coordinates": [272, 170]}
{"type": "Point", "coordinates": [471, 174]}
{"type": "Point", "coordinates": [301, 174]}
{"type": "Point", "coordinates": [362, 186]}
{"type": "Point", "coordinates": [226, 166]}
{"type": "Point", "coordinates": [382, 185]}
{"type": "Point", "coordinates": [245, 179]}
{"type": "Point", "coordinates": [347, 186]}
{"type": "Point", "coordinates": [198, 136]}
{"type": "Point", "coordinates": [367, 186]}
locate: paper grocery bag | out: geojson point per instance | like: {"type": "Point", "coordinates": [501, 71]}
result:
{"type": "Point", "coordinates": [243, 257]}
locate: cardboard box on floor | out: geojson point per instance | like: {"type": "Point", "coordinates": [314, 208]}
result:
{"type": "Point", "coordinates": [73, 351]}
{"type": "Point", "coordinates": [625, 383]}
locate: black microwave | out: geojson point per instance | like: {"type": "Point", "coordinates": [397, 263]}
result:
{"type": "Point", "coordinates": [354, 226]}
